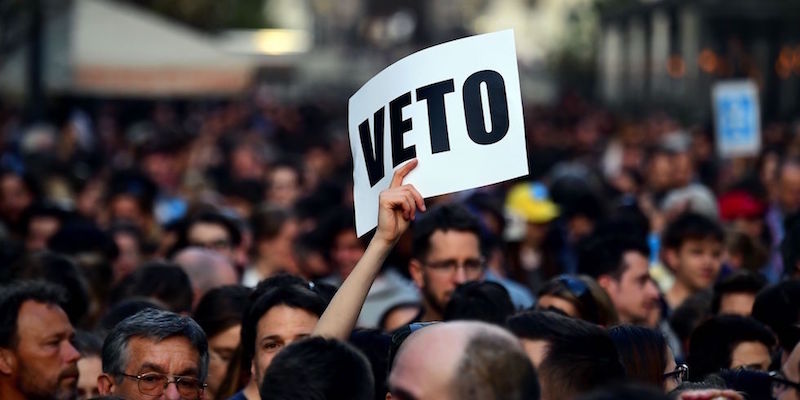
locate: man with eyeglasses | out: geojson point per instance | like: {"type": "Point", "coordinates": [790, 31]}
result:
{"type": "Point", "coordinates": [155, 354]}
{"type": "Point", "coordinates": [447, 253]}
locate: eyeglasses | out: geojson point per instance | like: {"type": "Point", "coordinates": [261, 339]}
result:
{"type": "Point", "coordinates": [780, 384]}
{"type": "Point", "coordinates": [154, 384]}
{"type": "Point", "coordinates": [472, 267]}
{"type": "Point", "coordinates": [680, 374]}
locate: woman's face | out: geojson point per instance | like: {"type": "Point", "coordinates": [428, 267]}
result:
{"type": "Point", "coordinates": [220, 351]}
{"type": "Point", "coordinates": [548, 301]}
{"type": "Point", "coordinates": [672, 382]}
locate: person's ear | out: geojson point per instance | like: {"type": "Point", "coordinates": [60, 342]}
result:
{"type": "Point", "coordinates": [608, 283]}
{"type": "Point", "coordinates": [671, 259]}
{"type": "Point", "coordinates": [8, 361]}
{"type": "Point", "coordinates": [415, 270]}
{"type": "Point", "coordinates": [105, 384]}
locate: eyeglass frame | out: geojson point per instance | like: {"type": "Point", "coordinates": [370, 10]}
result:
{"type": "Point", "coordinates": [777, 377]}
{"type": "Point", "coordinates": [175, 379]}
{"type": "Point", "coordinates": [682, 371]}
{"type": "Point", "coordinates": [444, 266]}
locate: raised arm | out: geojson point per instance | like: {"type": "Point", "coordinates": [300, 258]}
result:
{"type": "Point", "coordinates": [397, 207]}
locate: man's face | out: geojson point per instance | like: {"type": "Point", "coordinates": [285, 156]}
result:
{"type": "Point", "coordinates": [454, 258]}
{"type": "Point", "coordinates": [211, 236]}
{"type": "Point", "coordinates": [90, 368]}
{"type": "Point", "coordinates": [697, 263]}
{"type": "Point", "coordinates": [173, 357]}
{"type": "Point", "coordinates": [752, 355]}
{"type": "Point", "coordinates": [279, 327]}
{"type": "Point", "coordinates": [634, 295]}
{"type": "Point", "coordinates": [44, 362]}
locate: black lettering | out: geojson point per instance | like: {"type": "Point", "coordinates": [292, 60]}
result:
{"type": "Point", "coordinates": [437, 118]}
{"type": "Point", "coordinates": [498, 107]}
{"type": "Point", "coordinates": [374, 160]}
{"type": "Point", "coordinates": [399, 126]}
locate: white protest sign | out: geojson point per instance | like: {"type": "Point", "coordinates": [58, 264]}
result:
{"type": "Point", "coordinates": [737, 118]}
{"type": "Point", "coordinates": [456, 107]}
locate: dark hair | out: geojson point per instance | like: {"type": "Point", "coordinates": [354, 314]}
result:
{"type": "Point", "coordinates": [136, 184]}
{"type": "Point", "coordinates": [689, 315]}
{"type": "Point", "coordinates": [125, 309]}
{"type": "Point", "coordinates": [603, 255]}
{"type": "Point", "coordinates": [207, 217]}
{"type": "Point", "coordinates": [58, 270]}
{"type": "Point", "coordinates": [643, 352]}
{"type": "Point", "coordinates": [88, 343]}
{"type": "Point", "coordinates": [12, 297]}
{"type": "Point", "coordinates": [583, 292]}
{"type": "Point", "coordinates": [580, 358]}
{"type": "Point", "coordinates": [541, 325]}
{"type": "Point", "coordinates": [627, 391]}
{"type": "Point", "coordinates": [711, 382]}
{"type": "Point", "coordinates": [267, 222]}
{"type": "Point", "coordinates": [294, 296]}
{"type": "Point", "coordinates": [691, 226]}
{"type": "Point", "coordinates": [375, 345]}
{"type": "Point", "coordinates": [778, 307]}
{"type": "Point", "coordinates": [75, 238]}
{"type": "Point", "coordinates": [756, 385]}
{"type": "Point", "coordinates": [41, 209]}
{"type": "Point", "coordinates": [221, 308]}
{"type": "Point", "coordinates": [493, 367]}
{"type": "Point", "coordinates": [155, 325]}
{"type": "Point", "coordinates": [712, 343]}
{"type": "Point", "coordinates": [445, 217]}
{"type": "Point", "coordinates": [164, 281]}
{"type": "Point", "coordinates": [318, 369]}
{"type": "Point", "coordinates": [249, 190]}
{"type": "Point", "coordinates": [738, 282]}
{"type": "Point", "coordinates": [479, 301]}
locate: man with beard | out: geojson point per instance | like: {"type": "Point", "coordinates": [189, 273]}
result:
{"type": "Point", "coordinates": [37, 357]}
{"type": "Point", "coordinates": [447, 253]}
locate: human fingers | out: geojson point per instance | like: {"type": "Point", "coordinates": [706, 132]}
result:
{"type": "Point", "coordinates": [400, 174]}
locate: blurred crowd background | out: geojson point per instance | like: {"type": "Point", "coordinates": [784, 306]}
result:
{"type": "Point", "coordinates": [131, 131]}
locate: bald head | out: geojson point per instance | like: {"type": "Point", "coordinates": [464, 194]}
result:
{"type": "Point", "coordinates": [462, 360]}
{"type": "Point", "coordinates": [207, 269]}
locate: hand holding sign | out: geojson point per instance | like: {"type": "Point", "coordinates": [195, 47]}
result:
{"type": "Point", "coordinates": [455, 107]}
{"type": "Point", "coordinates": [398, 206]}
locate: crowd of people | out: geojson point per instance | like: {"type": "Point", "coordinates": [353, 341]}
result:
{"type": "Point", "coordinates": [208, 250]}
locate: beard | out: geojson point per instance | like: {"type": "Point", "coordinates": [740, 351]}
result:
{"type": "Point", "coordinates": [34, 388]}
{"type": "Point", "coordinates": [430, 298]}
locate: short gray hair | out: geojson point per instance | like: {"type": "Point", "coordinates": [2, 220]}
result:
{"type": "Point", "coordinates": [155, 325]}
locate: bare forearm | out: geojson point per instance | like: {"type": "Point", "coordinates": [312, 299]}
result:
{"type": "Point", "coordinates": [340, 317]}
